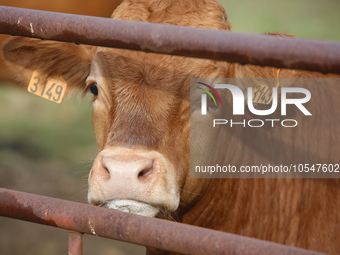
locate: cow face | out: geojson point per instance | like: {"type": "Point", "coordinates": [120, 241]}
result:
{"type": "Point", "coordinates": [140, 106]}
{"type": "Point", "coordinates": [140, 115]}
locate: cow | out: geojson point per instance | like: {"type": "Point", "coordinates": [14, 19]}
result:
{"type": "Point", "coordinates": [141, 113]}
{"type": "Point", "coordinates": [102, 8]}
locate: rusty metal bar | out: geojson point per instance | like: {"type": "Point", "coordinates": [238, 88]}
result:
{"type": "Point", "coordinates": [243, 48]}
{"type": "Point", "coordinates": [131, 228]}
{"type": "Point", "coordinates": [75, 243]}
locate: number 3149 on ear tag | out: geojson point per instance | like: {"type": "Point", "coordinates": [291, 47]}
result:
{"type": "Point", "coordinates": [52, 88]}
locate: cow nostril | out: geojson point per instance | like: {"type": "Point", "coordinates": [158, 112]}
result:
{"type": "Point", "coordinates": [107, 170]}
{"type": "Point", "coordinates": [145, 172]}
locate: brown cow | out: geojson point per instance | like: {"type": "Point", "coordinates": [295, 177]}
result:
{"type": "Point", "coordinates": [141, 120]}
{"type": "Point", "coordinates": [101, 8]}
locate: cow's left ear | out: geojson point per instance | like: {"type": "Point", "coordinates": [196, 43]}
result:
{"type": "Point", "coordinates": [25, 55]}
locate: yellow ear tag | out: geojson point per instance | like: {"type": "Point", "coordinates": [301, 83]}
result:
{"type": "Point", "coordinates": [262, 94]}
{"type": "Point", "coordinates": [53, 88]}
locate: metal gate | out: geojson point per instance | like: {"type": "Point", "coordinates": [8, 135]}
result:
{"type": "Point", "coordinates": [166, 39]}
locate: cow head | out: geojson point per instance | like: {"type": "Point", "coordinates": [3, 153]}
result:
{"type": "Point", "coordinates": [140, 106]}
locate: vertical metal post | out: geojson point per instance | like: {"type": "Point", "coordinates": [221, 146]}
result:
{"type": "Point", "coordinates": [75, 243]}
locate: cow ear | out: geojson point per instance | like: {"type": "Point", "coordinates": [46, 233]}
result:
{"type": "Point", "coordinates": [25, 55]}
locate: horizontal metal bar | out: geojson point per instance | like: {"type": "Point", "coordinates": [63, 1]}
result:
{"type": "Point", "coordinates": [243, 48]}
{"type": "Point", "coordinates": [132, 228]}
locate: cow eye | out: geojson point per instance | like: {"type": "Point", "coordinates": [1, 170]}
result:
{"type": "Point", "coordinates": [94, 89]}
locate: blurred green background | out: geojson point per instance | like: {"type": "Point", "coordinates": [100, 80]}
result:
{"type": "Point", "coordinates": [311, 19]}
{"type": "Point", "coordinates": [48, 149]}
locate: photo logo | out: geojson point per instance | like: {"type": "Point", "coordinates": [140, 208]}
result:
{"type": "Point", "coordinates": [213, 95]}
{"type": "Point", "coordinates": [240, 101]}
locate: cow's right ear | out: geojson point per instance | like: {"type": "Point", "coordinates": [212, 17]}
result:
{"type": "Point", "coordinates": [25, 55]}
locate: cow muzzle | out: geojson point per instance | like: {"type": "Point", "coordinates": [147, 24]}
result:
{"type": "Point", "coordinates": [133, 180]}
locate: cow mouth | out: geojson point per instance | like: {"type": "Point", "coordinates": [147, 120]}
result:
{"type": "Point", "coordinates": [131, 206]}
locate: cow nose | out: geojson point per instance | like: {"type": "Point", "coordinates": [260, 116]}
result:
{"type": "Point", "coordinates": [123, 176]}
{"type": "Point", "coordinates": [133, 180]}
{"type": "Point", "coordinates": [129, 167]}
